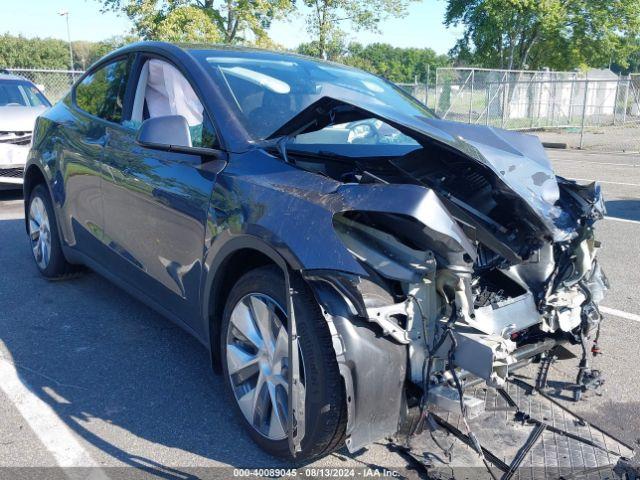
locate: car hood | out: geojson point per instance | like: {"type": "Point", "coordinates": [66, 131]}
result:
{"type": "Point", "coordinates": [19, 119]}
{"type": "Point", "coordinates": [518, 161]}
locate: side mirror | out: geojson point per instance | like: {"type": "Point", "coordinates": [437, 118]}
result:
{"type": "Point", "coordinates": [170, 133]}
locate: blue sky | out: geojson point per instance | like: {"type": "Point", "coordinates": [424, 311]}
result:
{"type": "Point", "coordinates": [421, 28]}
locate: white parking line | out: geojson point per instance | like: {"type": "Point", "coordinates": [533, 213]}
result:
{"type": "Point", "coordinates": [620, 313]}
{"type": "Point", "coordinates": [605, 181]}
{"type": "Point", "coordinates": [625, 220]}
{"type": "Point", "coordinates": [45, 423]}
{"type": "Point", "coordinates": [595, 163]}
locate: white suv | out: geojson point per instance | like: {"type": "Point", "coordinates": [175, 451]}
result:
{"type": "Point", "coordinates": [20, 104]}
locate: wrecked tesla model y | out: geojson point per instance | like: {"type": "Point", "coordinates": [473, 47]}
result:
{"type": "Point", "coordinates": [350, 260]}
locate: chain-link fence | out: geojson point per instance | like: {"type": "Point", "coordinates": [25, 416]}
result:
{"type": "Point", "coordinates": [599, 110]}
{"type": "Point", "coordinates": [54, 83]}
{"type": "Point", "coordinates": [418, 90]}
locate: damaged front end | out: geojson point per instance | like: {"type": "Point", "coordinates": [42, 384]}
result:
{"type": "Point", "coordinates": [489, 265]}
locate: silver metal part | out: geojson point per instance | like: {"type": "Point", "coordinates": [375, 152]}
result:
{"type": "Point", "coordinates": [513, 314]}
{"type": "Point", "coordinates": [383, 316]}
{"type": "Point", "coordinates": [566, 313]}
{"type": "Point", "coordinates": [39, 232]}
{"type": "Point", "coordinates": [486, 356]}
{"type": "Point", "coordinates": [447, 398]}
{"type": "Point", "coordinates": [258, 365]}
{"type": "Point", "coordinates": [383, 252]}
{"type": "Point", "coordinates": [296, 421]}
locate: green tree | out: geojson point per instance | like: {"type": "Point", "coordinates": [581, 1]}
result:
{"type": "Point", "coordinates": [22, 52]}
{"type": "Point", "coordinates": [326, 17]}
{"type": "Point", "coordinates": [402, 65]}
{"type": "Point", "coordinates": [50, 53]}
{"type": "Point", "coordinates": [227, 21]}
{"type": "Point", "coordinates": [397, 64]}
{"type": "Point", "coordinates": [560, 34]}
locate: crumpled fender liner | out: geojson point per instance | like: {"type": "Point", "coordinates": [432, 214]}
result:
{"type": "Point", "coordinates": [372, 366]}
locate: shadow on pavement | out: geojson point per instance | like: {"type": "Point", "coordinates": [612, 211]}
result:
{"type": "Point", "coordinates": [91, 352]}
{"type": "Point", "coordinates": [7, 195]}
{"type": "Point", "coordinates": [626, 209]}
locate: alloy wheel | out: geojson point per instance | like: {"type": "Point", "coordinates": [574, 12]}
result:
{"type": "Point", "coordinates": [40, 232]}
{"type": "Point", "coordinates": [257, 363]}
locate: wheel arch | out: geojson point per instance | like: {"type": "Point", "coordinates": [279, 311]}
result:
{"type": "Point", "coordinates": [33, 176]}
{"type": "Point", "coordinates": [236, 257]}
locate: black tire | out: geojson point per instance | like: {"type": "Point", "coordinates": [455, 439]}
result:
{"type": "Point", "coordinates": [57, 267]}
{"type": "Point", "coordinates": [325, 406]}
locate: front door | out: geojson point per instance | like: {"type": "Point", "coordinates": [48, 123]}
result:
{"type": "Point", "coordinates": [156, 206]}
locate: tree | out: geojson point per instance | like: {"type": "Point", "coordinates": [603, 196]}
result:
{"type": "Point", "coordinates": [225, 21]}
{"type": "Point", "coordinates": [22, 52]}
{"type": "Point", "coordinates": [400, 65]}
{"type": "Point", "coordinates": [50, 53]}
{"type": "Point", "coordinates": [560, 34]}
{"type": "Point", "coordinates": [326, 17]}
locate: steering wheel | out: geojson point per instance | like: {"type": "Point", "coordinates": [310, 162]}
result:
{"type": "Point", "coordinates": [363, 132]}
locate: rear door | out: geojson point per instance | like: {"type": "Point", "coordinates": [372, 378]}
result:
{"type": "Point", "coordinates": [97, 104]}
{"type": "Point", "coordinates": [156, 202]}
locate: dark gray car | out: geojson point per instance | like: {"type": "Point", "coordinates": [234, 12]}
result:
{"type": "Point", "coordinates": [348, 258]}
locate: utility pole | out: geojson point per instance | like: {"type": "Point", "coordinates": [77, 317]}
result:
{"type": "Point", "coordinates": [65, 13]}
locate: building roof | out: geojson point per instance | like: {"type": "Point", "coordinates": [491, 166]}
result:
{"type": "Point", "coordinates": [601, 74]}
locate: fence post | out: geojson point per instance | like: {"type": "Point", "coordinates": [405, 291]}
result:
{"type": "Point", "coordinates": [488, 101]}
{"type": "Point", "coordinates": [426, 87]}
{"type": "Point", "coordinates": [626, 100]}
{"type": "Point", "coordinates": [473, 77]}
{"type": "Point", "coordinates": [573, 88]}
{"type": "Point", "coordinates": [504, 104]}
{"type": "Point", "coordinates": [553, 102]}
{"type": "Point", "coordinates": [615, 99]}
{"type": "Point", "coordinates": [584, 112]}
{"type": "Point", "coordinates": [435, 94]}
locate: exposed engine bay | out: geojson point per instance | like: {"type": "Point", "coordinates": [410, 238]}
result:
{"type": "Point", "coordinates": [501, 269]}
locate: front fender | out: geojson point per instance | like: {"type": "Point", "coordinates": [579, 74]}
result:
{"type": "Point", "coordinates": [372, 366]}
{"type": "Point", "coordinates": [224, 246]}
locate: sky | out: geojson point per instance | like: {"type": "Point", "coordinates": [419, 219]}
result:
{"type": "Point", "coordinates": [39, 18]}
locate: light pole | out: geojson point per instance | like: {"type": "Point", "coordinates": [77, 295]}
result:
{"type": "Point", "coordinates": [65, 13]}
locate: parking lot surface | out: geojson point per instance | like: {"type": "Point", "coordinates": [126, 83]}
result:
{"type": "Point", "coordinates": [90, 377]}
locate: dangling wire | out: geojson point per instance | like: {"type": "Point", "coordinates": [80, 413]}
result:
{"type": "Point", "coordinates": [463, 408]}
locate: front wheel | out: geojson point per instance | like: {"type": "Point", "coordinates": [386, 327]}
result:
{"type": "Point", "coordinates": [254, 343]}
{"type": "Point", "coordinates": [43, 236]}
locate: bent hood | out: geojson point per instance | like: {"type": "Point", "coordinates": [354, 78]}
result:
{"type": "Point", "coordinates": [517, 160]}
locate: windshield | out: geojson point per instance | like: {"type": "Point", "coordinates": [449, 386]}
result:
{"type": "Point", "coordinates": [266, 90]}
{"type": "Point", "coordinates": [17, 93]}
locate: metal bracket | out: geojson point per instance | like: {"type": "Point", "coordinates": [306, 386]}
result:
{"type": "Point", "coordinates": [296, 420]}
{"type": "Point", "coordinates": [383, 317]}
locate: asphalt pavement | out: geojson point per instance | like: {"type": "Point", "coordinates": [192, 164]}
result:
{"type": "Point", "coordinates": [91, 377]}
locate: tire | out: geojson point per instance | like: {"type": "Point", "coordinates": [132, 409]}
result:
{"type": "Point", "coordinates": [43, 231]}
{"type": "Point", "coordinates": [325, 406]}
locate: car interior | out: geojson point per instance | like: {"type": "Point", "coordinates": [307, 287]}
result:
{"type": "Point", "coordinates": [162, 90]}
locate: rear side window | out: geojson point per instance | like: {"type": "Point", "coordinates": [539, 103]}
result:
{"type": "Point", "coordinates": [102, 92]}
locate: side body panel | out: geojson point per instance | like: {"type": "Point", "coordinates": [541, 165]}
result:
{"type": "Point", "coordinates": [79, 146]}
{"type": "Point", "coordinates": [155, 217]}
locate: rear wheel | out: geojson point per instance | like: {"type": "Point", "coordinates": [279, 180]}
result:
{"type": "Point", "coordinates": [254, 345]}
{"type": "Point", "coordinates": [43, 236]}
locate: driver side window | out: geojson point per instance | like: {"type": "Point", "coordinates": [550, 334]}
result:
{"type": "Point", "coordinates": [162, 90]}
